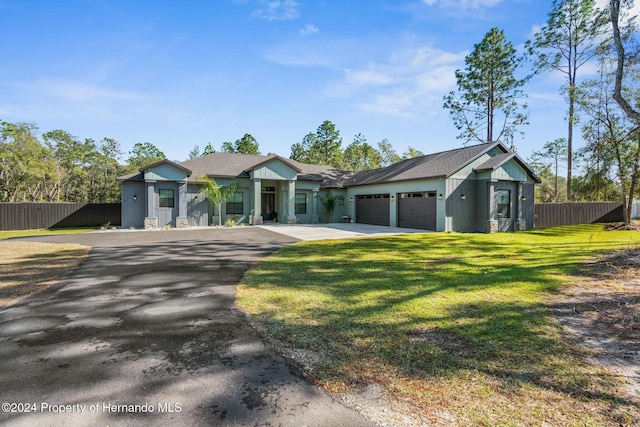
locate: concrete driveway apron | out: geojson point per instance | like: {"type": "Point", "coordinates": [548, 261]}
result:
{"type": "Point", "coordinates": [145, 333]}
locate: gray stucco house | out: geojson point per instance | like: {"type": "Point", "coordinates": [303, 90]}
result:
{"type": "Point", "coordinates": [480, 188]}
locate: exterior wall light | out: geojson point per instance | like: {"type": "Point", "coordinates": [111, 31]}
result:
{"type": "Point", "coordinates": [135, 197]}
{"type": "Point", "coordinates": [440, 196]}
{"type": "Point", "coordinates": [351, 199]}
{"type": "Point", "coordinates": [392, 198]}
{"type": "Point", "coordinates": [463, 197]}
{"type": "Point", "coordinates": [524, 199]}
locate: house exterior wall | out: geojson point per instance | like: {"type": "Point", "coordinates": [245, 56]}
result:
{"type": "Point", "coordinates": [133, 211]}
{"type": "Point", "coordinates": [462, 203]}
{"type": "Point", "coordinates": [340, 208]}
{"type": "Point", "coordinates": [429, 185]}
{"type": "Point", "coordinates": [474, 212]}
{"type": "Point", "coordinates": [197, 207]}
{"type": "Point", "coordinates": [276, 170]}
{"type": "Point", "coordinates": [164, 172]}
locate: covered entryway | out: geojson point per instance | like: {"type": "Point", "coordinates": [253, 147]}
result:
{"type": "Point", "coordinates": [372, 209]}
{"type": "Point", "coordinates": [417, 210]}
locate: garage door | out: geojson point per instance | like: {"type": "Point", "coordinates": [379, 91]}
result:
{"type": "Point", "coordinates": [372, 209]}
{"type": "Point", "coordinates": [417, 210]}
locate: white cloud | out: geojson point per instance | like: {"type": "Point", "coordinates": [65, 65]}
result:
{"type": "Point", "coordinates": [277, 10]}
{"type": "Point", "coordinates": [462, 4]}
{"type": "Point", "coordinates": [408, 84]}
{"type": "Point", "coordinates": [309, 30]}
{"type": "Point", "coordinates": [63, 98]}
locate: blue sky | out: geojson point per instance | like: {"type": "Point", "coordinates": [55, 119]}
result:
{"type": "Point", "coordinates": [185, 73]}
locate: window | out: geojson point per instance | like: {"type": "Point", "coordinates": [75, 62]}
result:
{"type": "Point", "coordinates": [234, 204]}
{"type": "Point", "coordinates": [301, 203]}
{"type": "Point", "coordinates": [503, 198]}
{"type": "Point", "coordinates": [167, 199]}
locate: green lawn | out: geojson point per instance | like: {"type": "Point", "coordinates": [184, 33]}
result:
{"type": "Point", "coordinates": [456, 323]}
{"type": "Point", "coordinates": [43, 232]}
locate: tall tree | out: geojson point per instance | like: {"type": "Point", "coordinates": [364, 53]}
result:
{"type": "Point", "coordinates": [322, 148]}
{"type": "Point", "coordinates": [194, 153]}
{"type": "Point", "coordinates": [142, 154]}
{"type": "Point", "coordinates": [489, 93]}
{"type": "Point", "coordinates": [389, 155]}
{"type": "Point", "coordinates": [108, 165]}
{"type": "Point", "coordinates": [624, 60]}
{"type": "Point", "coordinates": [328, 144]}
{"type": "Point", "coordinates": [26, 170]}
{"type": "Point", "coordinates": [565, 44]}
{"type": "Point", "coordinates": [208, 150]}
{"type": "Point", "coordinates": [553, 155]}
{"type": "Point", "coordinates": [360, 156]}
{"type": "Point", "coordinates": [302, 151]}
{"type": "Point", "coordinates": [73, 159]}
{"type": "Point", "coordinates": [411, 153]}
{"type": "Point", "coordinates": [247, 145]}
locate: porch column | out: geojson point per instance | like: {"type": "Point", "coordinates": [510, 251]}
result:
{"type": "Point", "coordinates": [257, 201]}
{"type": "Point", "coordinates": [151, 219]}
{"type": "Point", "coordinates": [491, 225]}
{"type": "Point", "coordinates": [291, 217]}
{"type": "Point", "coordinates": [315, 218]}
{"type": "Point", "coordinates": [182, 220]}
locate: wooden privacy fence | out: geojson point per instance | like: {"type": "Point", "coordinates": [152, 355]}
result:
{"type": "Point", "coordinates": [27, 216]}
{"type": "Point", "coordinates": [556, 214]}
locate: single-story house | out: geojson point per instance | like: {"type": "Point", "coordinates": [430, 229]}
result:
{"type": "Point", "coordinates": [480, 188]}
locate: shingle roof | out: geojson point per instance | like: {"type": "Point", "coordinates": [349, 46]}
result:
{"type": "Point", "coordinates": [437, 165]}
{"type": "Point", "coordinates": [495, 162]}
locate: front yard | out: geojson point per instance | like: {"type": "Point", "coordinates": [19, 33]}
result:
{"type": "Point", "coordinates": [27, 268]}
{"type": "Point", "coordinates": [458, 325]}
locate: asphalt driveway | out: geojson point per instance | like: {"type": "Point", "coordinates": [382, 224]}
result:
{"type": "Point", "coordinates": [145, 333]}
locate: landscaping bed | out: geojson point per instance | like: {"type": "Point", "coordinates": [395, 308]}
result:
{"type": "Point", "coordinates": [442, 328]}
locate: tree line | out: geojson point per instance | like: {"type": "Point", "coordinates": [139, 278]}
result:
{"type": "Point", "coordinates": [58, 167]}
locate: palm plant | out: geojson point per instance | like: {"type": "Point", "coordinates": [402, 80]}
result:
{"type": "Point", "coordinates": [216, 193]}
{"type": "Point", "coordinates": [329, 204]}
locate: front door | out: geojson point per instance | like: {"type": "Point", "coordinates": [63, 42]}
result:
{"type": "Point", "coordinates": [268, 206]}
{"type": "Point", "coordinates": [505, 207]}
{"type": "Point", "coordinates": [167, 204]}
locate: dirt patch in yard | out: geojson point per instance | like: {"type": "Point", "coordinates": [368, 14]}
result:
{"type": "Point", "coordinates": [601, 312]}
{"type": "Point", "coordinates": [27, 268]}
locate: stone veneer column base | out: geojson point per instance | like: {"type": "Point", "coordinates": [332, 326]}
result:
{"type": "Point", "coordinates": [292, 220]}
{"type": "Point", "coordinates": [257, 220]}
{"type": "Point", "coordinates": [150, 223]}
{"type": "Point", "coordinates": [519, 225]}
{"type": "Point", "coordinates": [491, 226]}
{"type": "Point", "coordinates": [182, 222]}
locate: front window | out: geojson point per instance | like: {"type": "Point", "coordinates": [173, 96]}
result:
{"type": "Point", "coordinates": [167, 199]}
{"type": "Point", "coordinates": [503, 198]}
{"type": "Point", "coordinates": [234, 204]}
{"type": "Point", "coordinates": [301, 203]}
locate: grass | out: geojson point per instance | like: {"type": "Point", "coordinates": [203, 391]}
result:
{"type": "Point", "coordinates": [43, 232]}
{"type": "Point", "coordinates": [30, 267]}
{"type": "Point", "coordinates": [455, 323]}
